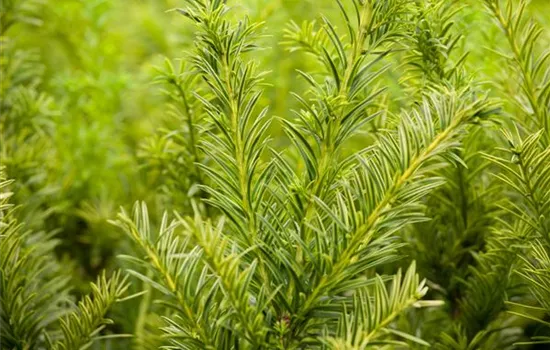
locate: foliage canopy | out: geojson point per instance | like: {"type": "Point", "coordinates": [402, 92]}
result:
{"type": "Point", "coordinates": [385, 184]}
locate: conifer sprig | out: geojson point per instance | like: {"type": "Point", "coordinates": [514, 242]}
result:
{"type": "Point", "coordinates": [174, 149]}
{"type": "Point", "coordinates": [524, 164]}
{"type": "Point", "coordinates": [237, 144]}
{"type": "Point", "coordinates": [35, 303]}
{"type": "Point", "coordinates": [373, 311]}
{"type": "Point", "coordinates": [390, 181]}
{"type": "Point", "coordinates": [33, 288]}
{"type": "Point", "coordinates": [339, 106]}
{"type": "Point", "coordinates": [83, 326]}
{"type": "Point", "coordinates": [180, 275]}
{"type": "Point", "coordinates": [431, 45]}
{"type": "Point", "coordinates": [524, 36]}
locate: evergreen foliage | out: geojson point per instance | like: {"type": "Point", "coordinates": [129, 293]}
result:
{"type": "Point", "coordinates": [386, 185]}
{"type": "Point", "coordinates": [37, 309]}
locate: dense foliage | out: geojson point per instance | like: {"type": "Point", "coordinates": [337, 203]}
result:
{"type": "Point", "coordinates": [336, 174]}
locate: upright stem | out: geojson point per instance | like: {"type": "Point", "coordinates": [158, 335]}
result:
{"type": "Point", "coordinates": [327, 146]}
{"type": "Point", "coordinates": [240, 160]}
{"type": "Point", "coordinates": [542, 117]}
{"type": "Point", "coordinates": [192, 138]}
